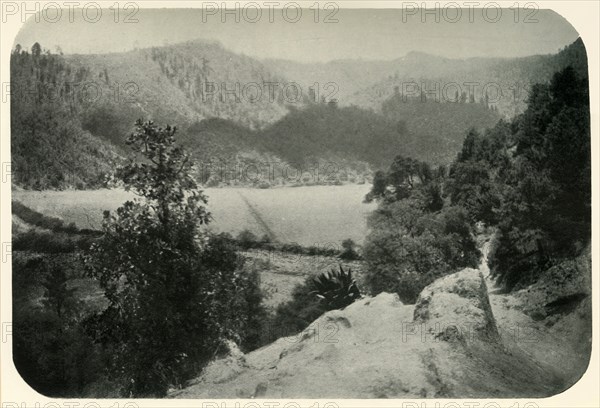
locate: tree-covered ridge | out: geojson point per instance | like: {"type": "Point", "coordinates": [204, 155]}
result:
{"type": "Point", "coordinates": [223, 84]}
{"type": "Point", "coordinates": [49, 146]}
{"type": "Point", "coordinates": [435, 130]}
{"type": "Point", "coordinates": [530, 179]}
{"type": "Point", "coordinates": [192, 83]}
{"type": "Point", "coordinates": [506, 81]}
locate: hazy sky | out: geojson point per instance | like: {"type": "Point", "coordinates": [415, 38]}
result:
{"type": "Point", "coordinates": [367, 34]}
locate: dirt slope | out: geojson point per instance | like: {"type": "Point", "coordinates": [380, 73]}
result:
{"type": "Point", "coordinates": [548, 322]}
{"type": "Point", "coordinates": [447, 345]}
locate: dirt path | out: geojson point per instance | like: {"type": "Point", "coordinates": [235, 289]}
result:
{"type": "Point", "coordinates": [555, 348]}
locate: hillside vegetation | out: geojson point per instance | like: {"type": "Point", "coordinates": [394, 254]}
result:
{"type": "Point", "coordinates": [88, 101]}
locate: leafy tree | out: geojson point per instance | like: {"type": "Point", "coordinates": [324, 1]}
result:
{"type": "Point", "coordinates": [405, 175]}
{"type": "Point", "coordinates": [175, 293]}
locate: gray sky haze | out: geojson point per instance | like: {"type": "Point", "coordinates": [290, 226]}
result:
{"type": "Point", "coordinates": [373, 34]}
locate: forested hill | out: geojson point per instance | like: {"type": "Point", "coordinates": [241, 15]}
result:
{"type": "Point", "coordinates": [368, 83]}
{"type": "Point", "coordinates": [71, 113]}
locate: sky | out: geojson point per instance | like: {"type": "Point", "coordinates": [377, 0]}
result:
{"type": "Point", "coordinates": [306, 36]}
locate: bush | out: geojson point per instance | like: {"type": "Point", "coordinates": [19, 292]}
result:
{"type": "Point", "coordinates": [247, 240]}
{"type": "Point", "coordinates": [407, 248]}
{"type": "Point", "coordinates": [349, 253]}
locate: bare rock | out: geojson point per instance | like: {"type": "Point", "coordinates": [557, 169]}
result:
{"type": "Point", "coordinates": [457, 307]}
{"type": "Point", "coordinates": [374, 349]}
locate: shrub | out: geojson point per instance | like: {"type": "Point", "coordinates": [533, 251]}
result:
{"type": "Point", "coordinates": [407, 248]}
{"type": "Point", "coordinates": [247, 240]}
{"type": "Point", "coordinates": [349, 253]}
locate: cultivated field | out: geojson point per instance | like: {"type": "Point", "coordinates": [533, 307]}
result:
{"type": "Point", "coordinates": [315, 215]}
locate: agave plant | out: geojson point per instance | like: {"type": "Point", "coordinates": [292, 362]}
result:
{"type": "Point", "coordinates": [337, 289]}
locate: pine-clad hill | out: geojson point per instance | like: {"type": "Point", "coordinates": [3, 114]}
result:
{"type": "Point", "coordinates": [435, 131]}
{"type": "Point", "coordinates": [70, 131]}
{"type": "Point", "coordinates": [50, 148]}
{"type": "Point", "coordinates": [188, 82]}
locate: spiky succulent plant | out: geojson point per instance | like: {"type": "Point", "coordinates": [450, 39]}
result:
{"type": "Point", "coordinates": [337, 289]}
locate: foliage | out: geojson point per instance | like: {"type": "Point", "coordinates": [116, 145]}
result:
{"type": "Point", "coordinates": [51, 350]}
{"type": "Point", "coordinates": [408, 248]}
{"type": "Point", "coordinates": [174, 292]}
{"type": "Point", "coordinates": [312, 298]}
{"type": "Point", "coordinates": [337, 289]}
{"type": "Point", "coordinates": [49, 147]}
{"type": "Point", "coordinates": [415, 235]}
{"type": "Point", "coordinates": [531, 179]}
{"type": "Point", "coordinates": [349, 252]}
{"type": "Point", "coordinates": [546, 210]}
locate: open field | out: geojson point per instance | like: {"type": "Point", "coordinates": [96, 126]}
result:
{"type": "Point", "coordinates": [296, 214]}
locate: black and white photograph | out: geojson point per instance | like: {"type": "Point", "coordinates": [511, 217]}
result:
{"type": "Point", "coordinates": [297, 200]}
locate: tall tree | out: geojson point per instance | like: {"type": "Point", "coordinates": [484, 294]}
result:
{"type": "Point", "coordinates": [175, 293]}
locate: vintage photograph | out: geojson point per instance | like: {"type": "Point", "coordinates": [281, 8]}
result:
{"type": "Point", "coordinates": [299, 200]}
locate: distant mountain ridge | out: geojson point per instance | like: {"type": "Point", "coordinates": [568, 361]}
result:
{"type": "Point", "coordinates": [239, 110]}
{"type": "Point", "coordinates": [368, 83]}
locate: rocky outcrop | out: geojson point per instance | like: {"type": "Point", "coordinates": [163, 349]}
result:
{"type": "Point", "coordinates": [445, 346]}
{"type": "Point", "coordinates": [456, 307]}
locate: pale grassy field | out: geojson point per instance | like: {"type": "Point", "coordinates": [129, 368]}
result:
{"type": "Point", "coordinates": [316, 215]}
